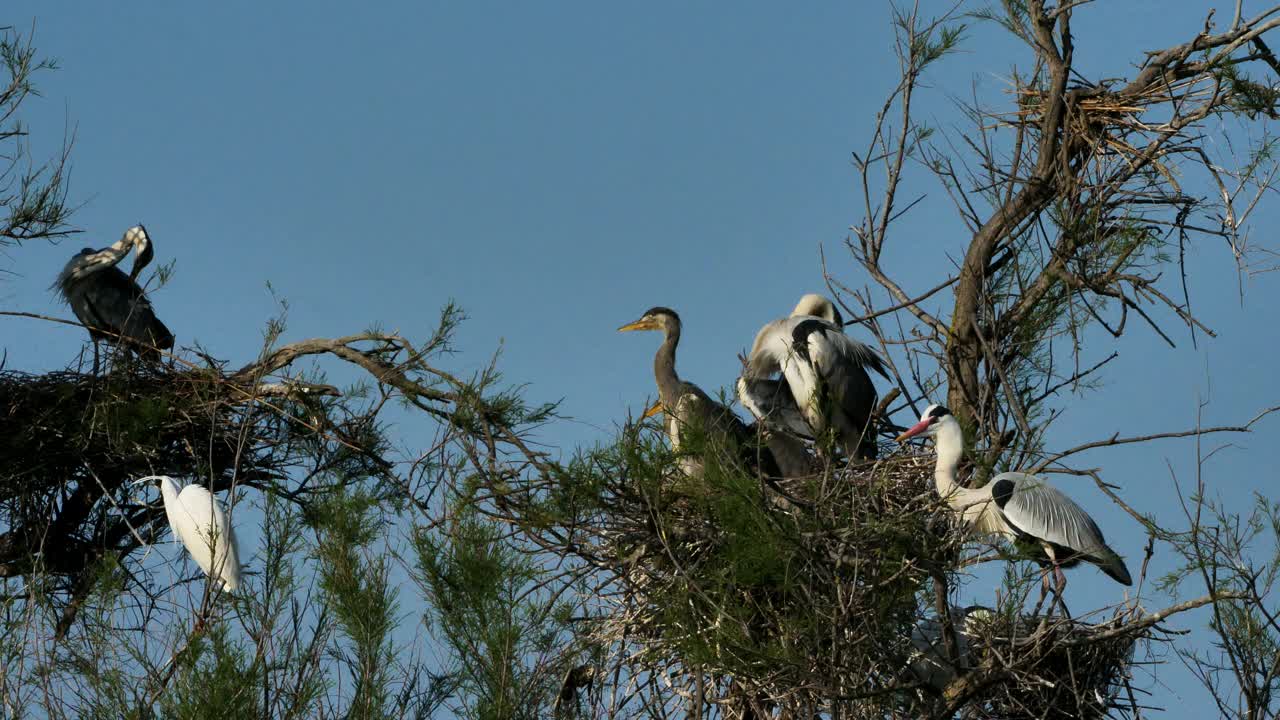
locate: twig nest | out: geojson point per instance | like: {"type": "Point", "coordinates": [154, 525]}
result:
{"type": "Point", "coordinates": [1053, 667]}
{"type": "Point", "coordinates": [71, 439]}
{"type": "Point", "coordinates": [773, 582]}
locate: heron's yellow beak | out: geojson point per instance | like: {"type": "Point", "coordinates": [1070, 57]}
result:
{"type": "Point", "coordinates": [641, 324]}
{"type": "Point", "coordinates": [657, 408]}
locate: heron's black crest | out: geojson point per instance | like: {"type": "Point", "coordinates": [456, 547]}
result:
{"type": "Point", "coordinates": [86, 251]}
{"type": "Point", "coordinates": [660, 310]}
{"type": "Point", "coordinates": [1001, 491]}
{"type": "Point", "coordinates": [939, 412]}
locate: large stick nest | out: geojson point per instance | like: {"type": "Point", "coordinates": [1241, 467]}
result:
{"type": "Point", "coordinates": [804, 592]}
{"type": "Point", "coordinates": [1048, 667]}
{"type": "Point", "coordinates": [71, 442]}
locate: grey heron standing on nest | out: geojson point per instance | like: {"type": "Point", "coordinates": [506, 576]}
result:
{"type": "Point", "coordinates": [824, 386]}
{"type": "Point", "coordinates": [111, 304]}
{"type": "Point", "coordinates": [687, 406]}
{"type": "Point", "coordinates": [1023, 508]}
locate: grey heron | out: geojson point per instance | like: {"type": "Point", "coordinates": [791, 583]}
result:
{"type": "Point", "coordinates": [929, 662]}
{"type": "Point", "coordinates": [1023, 508]}
{"type": "Point", "coordinates": [110, 303]}
{"type": "Point", "coordinates": [685, 405]}
{"type": "Point", "coordinates": [199, 522]}
{"type": "Point", "coordinates": [824, 388]}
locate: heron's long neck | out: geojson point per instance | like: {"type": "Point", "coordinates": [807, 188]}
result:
{"type": "Point", "coordinates": [664, 368]}
{"type": "Point", "coordinates": [949, 442]}
{"type": "Point", "coordinates": [110, 256]}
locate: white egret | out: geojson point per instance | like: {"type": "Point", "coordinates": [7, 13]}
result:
{"type": "Point", "coordinates": [199, 522]}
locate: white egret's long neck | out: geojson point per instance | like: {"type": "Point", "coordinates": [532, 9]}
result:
{"type": "Point", "coordinates": [949, 442]}
{"type": "Point", "coordinates": [664, 367]}
{"type": "Point", "coordinates": [168, 490]}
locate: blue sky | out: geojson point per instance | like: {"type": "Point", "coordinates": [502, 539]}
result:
{"type": "Point", "coordinates": [557, 169]}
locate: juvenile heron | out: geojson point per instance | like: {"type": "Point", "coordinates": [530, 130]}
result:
{"type": "Point", "coordinates": [824, 386]}
{"type": "Point", "coordinates": [686, 406]}
{"type": "Point", "coordinates": [930, 662]}
{"type": "Point", "coordinates": [1023, 508]}
{"type": "Point", "coordinates": [111, 304]}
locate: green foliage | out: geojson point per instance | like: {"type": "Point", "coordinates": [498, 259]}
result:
{"type": "Point", "coordinates": [32, 198]}
{"type": "Point", "coordinates": [217, 679]}
{"type": "Point", "coordinates": [1245, 95]}
{"type": "Point", "coordinates": [354, 576]}
{"type": "Point", "coordinates": [485, 604]}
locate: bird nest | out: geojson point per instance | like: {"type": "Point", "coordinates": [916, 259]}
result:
{"type": "Point", "coordinates": [772, 583]}
{"type": "Point", "coordinates": [1051, 667]}
{"type": "Point", "coordinates": [794, 594]}
{"type": "Point", "coordinates": [71, 442]}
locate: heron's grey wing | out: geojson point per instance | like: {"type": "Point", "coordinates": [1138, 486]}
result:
{"type": "Point", "coordinates": [723, 429]}
{"type": "Point", "coordinates": [859, 354]}
{"type": "Point", "coordinates": [841, 362]}
{"type": "Point", "coordinates": [1036, 508]}
{"type": "Point", "coordinates": [771, 402]}
{"type": "Point", "coordinates": [930, 663]}
{"type": "Point", "coordinates": [116, 303]}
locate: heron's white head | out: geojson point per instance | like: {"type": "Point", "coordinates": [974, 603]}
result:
{"type": "Point", "coordinates": [655, 318]}
{"type": "Point", "coordinates": [934, 417]}
{"type": "Point", "coordinates": [817, 306]}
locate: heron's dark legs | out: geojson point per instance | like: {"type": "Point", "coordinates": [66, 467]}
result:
{"type": "Point", "coordinates": [95, 357]}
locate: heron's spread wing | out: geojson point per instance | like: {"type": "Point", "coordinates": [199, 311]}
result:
{"type": "Point", "coordinates": [1042, 511]}
{"type": "Point", "coordinates": [771, 402]}
{"type": "Point", "coordinates": [202, 526]}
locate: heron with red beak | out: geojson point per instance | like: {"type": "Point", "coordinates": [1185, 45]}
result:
{"type": "Point", "coordinates": [1023, 508]}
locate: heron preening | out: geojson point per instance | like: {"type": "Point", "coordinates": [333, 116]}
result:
{"type": "Point", "coordinates": [824, 386]}
{"type": "Point", "coordinates": [686, 406]}
{"type": "Point", "coordinates": [110, 303]}
{"type": "Point", "coordinates": [199, 522]}
{"type": "Point", "coordinates": [1021, 507]}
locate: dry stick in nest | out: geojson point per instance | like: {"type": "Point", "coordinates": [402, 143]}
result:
{"type": "Point", "coordinates": [256, 391]}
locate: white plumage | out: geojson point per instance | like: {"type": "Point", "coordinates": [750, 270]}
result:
{"type": "Point", "coordinates": [824, 385]}
{"type": "Point", "coordinates": [199, 522]}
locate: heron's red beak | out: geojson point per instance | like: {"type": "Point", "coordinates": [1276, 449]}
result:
{"type": "Point", "coordinates": [916, 429]}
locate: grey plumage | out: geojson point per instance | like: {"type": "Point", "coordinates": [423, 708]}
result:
{"type": "Point", "coordinates": [770, 400]}
{"type": "Point", "coordinates": [687, 407]}
{"type": "Point", "coordinates": [110, 303]}
{"type": "Point", "coordinates": [929, 663]}
{"type": "Point", "coordinates": [1018, 506]}
{"type": "Point", "coordinates": [1038, 511]}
